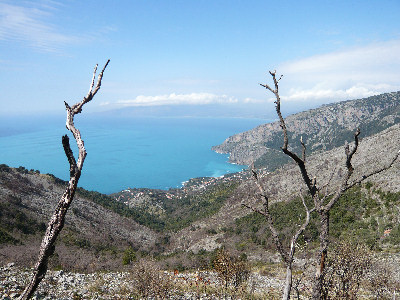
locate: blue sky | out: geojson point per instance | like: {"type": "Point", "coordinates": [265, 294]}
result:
{"type": "Point", "coordinates": [195, 52]}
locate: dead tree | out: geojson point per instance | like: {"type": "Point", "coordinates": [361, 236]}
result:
{"type": "Point", "coordinates": [56, 222]}
{"type": "Point", "coordinates": [323, 202]}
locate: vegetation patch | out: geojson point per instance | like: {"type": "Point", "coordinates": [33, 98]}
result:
{"type": "Point", "coordinates": [183, 212]}
{"type": "Point", "coordinates": [13, 218]}
{"type": "Point", "coordinates": [362, 214]}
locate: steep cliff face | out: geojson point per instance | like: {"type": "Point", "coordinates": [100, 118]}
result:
{"type": "Point", "coordinates": [322, 129]}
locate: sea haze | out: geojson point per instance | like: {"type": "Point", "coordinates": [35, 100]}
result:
{"type": "Point", "coordinates": [124, 152]}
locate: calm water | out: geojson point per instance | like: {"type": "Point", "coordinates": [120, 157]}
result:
{"type": "Point", "coordinates": [153, 152]}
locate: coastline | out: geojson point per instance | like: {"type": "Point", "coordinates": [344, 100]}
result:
{"type": "Point", "coordinates": [158, 154]}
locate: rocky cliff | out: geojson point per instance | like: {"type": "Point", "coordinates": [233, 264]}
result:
{"type": "Point", "coordinates": [322, 129]}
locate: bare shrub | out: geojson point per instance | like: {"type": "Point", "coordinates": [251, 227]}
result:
{"type": "Point", "coordinates": [231, 269]}
{"type": "Point", "coordinates": [345, 270]}
{"type": "Point", "coordinates": [150, 281]}
{"type": "Point", "coordinates": [380, 281]}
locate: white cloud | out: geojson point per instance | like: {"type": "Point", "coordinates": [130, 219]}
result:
{"type": "Point", "coordinates": [178, 99]}
{"type": "Point", "coordinates": [349, 74]}
{"type": "Point", "coordinates": [28, 25]}
{"type": "Point", "coordinates": [353, 92]}
{"type": "Point", "coordinates": [252, 100]}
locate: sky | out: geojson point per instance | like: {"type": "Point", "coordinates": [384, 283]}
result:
{"type": "Point", "coordinates": [195, 52]}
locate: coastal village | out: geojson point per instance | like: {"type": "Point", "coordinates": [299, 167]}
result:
{"type": "Point", "coordinates": [140, 196]}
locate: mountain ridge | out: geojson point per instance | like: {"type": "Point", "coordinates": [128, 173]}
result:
{"type": "Point", "coordinates": [322, 128]}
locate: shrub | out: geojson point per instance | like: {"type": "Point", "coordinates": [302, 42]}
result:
{"type": "Point", "coordinates": [211, 231]}
{"type": "Point", "coordinates": [150, 282]}
{"type": "Point", "coordinates": [129, 256]}
{"type": "Point", "coordinates": [346, 266]}
{"type": "Point", "coordinates": [231, 269]}
{"type": "Point", "coordinates": [22, 170]}
{"type": "Point", "coordinates": [4, 168]}
{"type": "Point", "coordinates": [368, 185]}
{"type": "Point", "coordinates": [5, 237]}
{"type": "Point", "coordinates": [394, 236]}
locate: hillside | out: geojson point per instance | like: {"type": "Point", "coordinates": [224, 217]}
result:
{"type": "Point", "coordinates": [283, 185]}
{"type": "Point", "coordinates": [324, 128]}
{"type": "Point", "coordinates": [96, 231]}
{"type": "Point", "coordinates": [192, 223]}
{"type": "Point", "coordinates": [100, 228]}
{"type": "Point", "coordinates": [207, 213]}
{"type": "Point", "coordinates": [183, 227]}
{"type": "Point", "coordinates": [174, 209]}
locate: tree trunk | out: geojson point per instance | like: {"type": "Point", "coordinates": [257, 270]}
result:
{"type": "Point", "coordinates": [288, 282]}
{"type": "Point", "coordinates": [317, 292]}
{"type": "Point", "coordinates": [53, 229]}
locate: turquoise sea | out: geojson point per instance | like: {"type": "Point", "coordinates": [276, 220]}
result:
{"type": "Point", "coordinates": [142, 152]}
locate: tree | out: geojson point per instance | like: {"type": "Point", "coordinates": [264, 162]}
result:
{"type": "Point", "coordinates": [323, 199]}
{"type": "Point", "coordinates": [56, 222]}
{"type": "Point", "coordinates": [287, 256]}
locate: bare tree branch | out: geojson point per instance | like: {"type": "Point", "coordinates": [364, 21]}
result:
{"type": "Point", "coordinates": [70, 155]}
{"type": "Point", "coordinates": [349, 153]}
{"type": "Point", "coordinates": [377, 171]}
{"type": "Point", "coordinates": [350, 169]}
{"type": "Point", "coordinates": [56, 223]}
{"type": "Point", "coordinates": [326, 185]}
{"type": "Point", "coordinates": [303, 146]}
{"type": "Point", "coordinates": [306, 221]}
{"type": "Point", "coordinates": [265, 212]}
{"type": "Point", "coordinates": [287, 256]}
{"type": "Point", "coordinates": [300, 162]}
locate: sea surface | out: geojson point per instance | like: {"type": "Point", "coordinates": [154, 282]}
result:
{"type": "Point", "coordinates": [124, 152]}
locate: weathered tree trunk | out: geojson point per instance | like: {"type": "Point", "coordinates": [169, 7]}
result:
{"type": "Point", "coordinates": [288, 282]}
{"type": "Point", "coordinates": [317, 290]}
{"type": "Point", "coordinates": [53, 229]}
{"type": "Point", "coordinates": [56, 223]}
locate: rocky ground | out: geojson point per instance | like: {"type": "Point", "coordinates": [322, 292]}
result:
{"type": "Point", "coordinates": [119, 285]}
{"type": "Point", "coordinates": [264, 282]}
